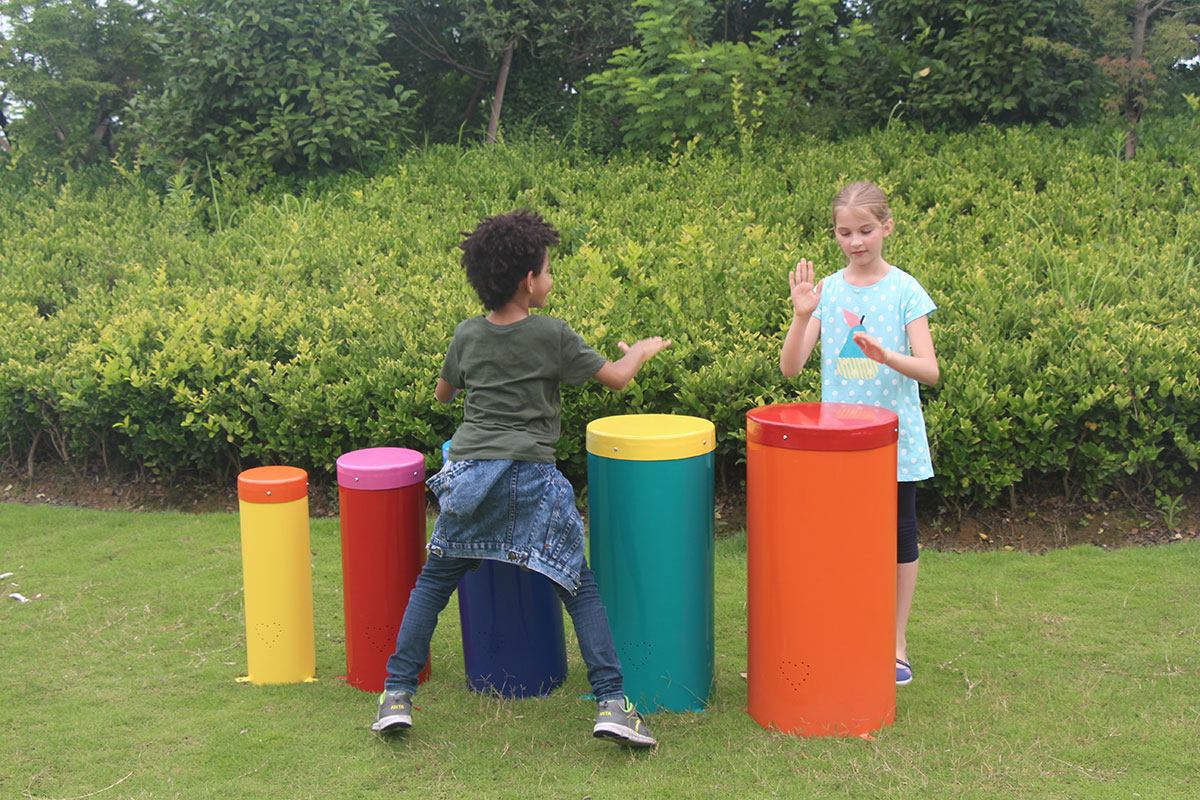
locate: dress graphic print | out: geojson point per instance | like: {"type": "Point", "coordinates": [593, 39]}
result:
{"type": "Point", "coordinates": [848, 376]}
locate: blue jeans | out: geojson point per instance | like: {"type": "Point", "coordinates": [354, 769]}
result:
{"type": "Point", "coordinates": [437, 582]}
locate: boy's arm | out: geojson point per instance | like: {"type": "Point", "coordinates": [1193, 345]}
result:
{"type": "Point", "coordinates": [616, 375]}
{"type": "Point", "coordinates": [444, 392]}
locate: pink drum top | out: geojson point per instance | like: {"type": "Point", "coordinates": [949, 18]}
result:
{"type": "Point", "coordinates": [822, 426]}
{"type": "Point", "coordinates": [380, 468]}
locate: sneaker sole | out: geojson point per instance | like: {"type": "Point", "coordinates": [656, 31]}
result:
{"type": "Point", "coordinates": [622, 735]}
{"type": "Point", "coordinates": [391, 723]}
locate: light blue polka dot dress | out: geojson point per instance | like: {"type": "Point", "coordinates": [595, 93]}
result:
{"type": "Point", "coordinates": [848, 376]}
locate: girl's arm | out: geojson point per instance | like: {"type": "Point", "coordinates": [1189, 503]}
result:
{"type": "Point", "coordinates": [921, 366]}
{"type": "Point", "coordinates": [805, 329]}
{"type": "Point", "coordinates": [801, 338]}
{"type": "Point", "coordinates": [616, 375]}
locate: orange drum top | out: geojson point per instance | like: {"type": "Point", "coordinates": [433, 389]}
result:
{"type": "Point", "coordinates": [822, 426]}
{"type": "Point", "coordinates": [272, 484]}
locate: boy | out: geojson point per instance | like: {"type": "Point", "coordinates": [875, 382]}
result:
{"type": "Point", "coordinates": [501, 495]}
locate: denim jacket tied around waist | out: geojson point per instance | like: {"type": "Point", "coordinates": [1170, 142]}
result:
{"type": "Point", "coordinates": [520, 512]}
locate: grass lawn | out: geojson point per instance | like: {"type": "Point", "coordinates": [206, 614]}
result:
{"type": "Point", "coordinates": [1074, 674]}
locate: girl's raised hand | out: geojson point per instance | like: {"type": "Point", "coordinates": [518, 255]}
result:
{"type": "Point", "coordinates": [805, 295]}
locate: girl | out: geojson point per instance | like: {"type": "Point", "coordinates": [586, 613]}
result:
{"type": "Point", "coordinates": [875, 348]}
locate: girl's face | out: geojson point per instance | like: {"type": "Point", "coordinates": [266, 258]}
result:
{"type": "Point", "coordinates": [861, 236]}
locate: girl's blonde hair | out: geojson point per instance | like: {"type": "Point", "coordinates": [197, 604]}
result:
{"type": "Point", "coordinates": [862, 194]}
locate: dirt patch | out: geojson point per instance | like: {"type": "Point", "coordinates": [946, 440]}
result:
{"type": "Point", "coordinates": [53, 484]}
{"type": "Point", "coordinates": [1049, 523]}
{"type": "Point", "coordinates": [1036, 526]}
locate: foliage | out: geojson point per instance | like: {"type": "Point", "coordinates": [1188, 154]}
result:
{"type": "Point", "coordinates": [136, 333]}
{"type": "Point", "coordinates": [677, 83]}
{"type": "Point", "coordinates": [272, 85]}
{"type": "Point", "coordinates": [1144, 42]}
{"type": "Point", "coordinates": [72, 66]}
{"type": "Point", "coordinates": [427, 50]}
{"type": "Point", "coordinates": [453, 51]}
{"type": "Point", "coordinates": [956, 64]}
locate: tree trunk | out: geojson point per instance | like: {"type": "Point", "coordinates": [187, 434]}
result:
{"type": "Point", "coordinates": [1141, 15]}
{"type": "Point", "coordinates": [103, 129]}
{"type": "Point", "coordinates": [1131, 140]}
{"type": "Point", "coordinates": [473, 103]}
{"type": "Point", "coordinates": [58, 132]}
{"type": "Point", "coordinates": [1134, 99]}
{"type": "Point", "coordinates": [498, 99]}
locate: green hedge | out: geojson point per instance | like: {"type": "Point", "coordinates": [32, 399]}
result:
{"type": "Point", "coordinates": [204, 334]}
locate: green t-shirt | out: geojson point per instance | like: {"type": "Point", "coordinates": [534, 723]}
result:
{"type": "Point", "coordinates": [511, 374]}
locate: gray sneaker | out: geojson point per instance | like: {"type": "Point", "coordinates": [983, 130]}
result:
{"type": "Point", "coordinates": [395, 711]}
{"type": "Point", "coordinates": [619, 721]}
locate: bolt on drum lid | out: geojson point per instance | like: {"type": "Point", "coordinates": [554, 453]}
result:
{"type": "Point", "coordinates": [376, 468]}
{"type": "Point", "coordinates": [272, 484]}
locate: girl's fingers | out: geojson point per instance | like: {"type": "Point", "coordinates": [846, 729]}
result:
{"type": "Point", "coordinates": [870, 346]}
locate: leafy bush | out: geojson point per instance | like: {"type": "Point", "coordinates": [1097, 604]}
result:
{"type": "Point", "coordinates": [134, 331]}
{"type": "Point", "coordinates": [677, 85]}
{"type": "Point", "coordinates": [955, 64]}
{"type": "Point", "coordinates": [272, 86]}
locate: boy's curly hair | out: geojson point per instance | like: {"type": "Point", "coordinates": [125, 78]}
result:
{"type": "Point", "coordinates": [502, 250]}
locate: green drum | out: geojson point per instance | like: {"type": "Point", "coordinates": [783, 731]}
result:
{"type": "Point", "coordinates": [650, 512]}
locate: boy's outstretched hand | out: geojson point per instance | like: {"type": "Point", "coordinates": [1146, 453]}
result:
{"type": "Point", "coordinates": [616, 375]}
{"type": "Point", "coordinates": [646, 348]}
{"type": "Point", "coordinates": [806, 291]}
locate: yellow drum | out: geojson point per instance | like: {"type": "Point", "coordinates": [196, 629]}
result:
{"type": "Point", "coordinates": [277, 573]}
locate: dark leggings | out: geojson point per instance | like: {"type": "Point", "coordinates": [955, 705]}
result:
{"type": "Point", "coordinates": [906, 523]}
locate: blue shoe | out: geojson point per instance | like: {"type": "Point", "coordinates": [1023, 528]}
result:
{"type": "Point", "coordinates": [903, 672]}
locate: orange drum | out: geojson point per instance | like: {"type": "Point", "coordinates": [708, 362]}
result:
{"type": "Point", "coordinates": [821, 582]}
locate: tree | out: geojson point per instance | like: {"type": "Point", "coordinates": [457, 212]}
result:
{"type": "Point", "coordinates": [545, 47]}
{"type": "Point", "coordinates": [1143, 40]}
{"type": "Point", "coordinates": [956, 64]}
{"type": "Point", "coordinates": [676, 82]}
{"type": "Point", "coordinates": [72, 67]}
{"type": "Point", "coordinates": [428, 51]}
{"type": "Point", "coordinates": [4, 145]}
{"type": "Point", "coordinates": [274, 85]}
